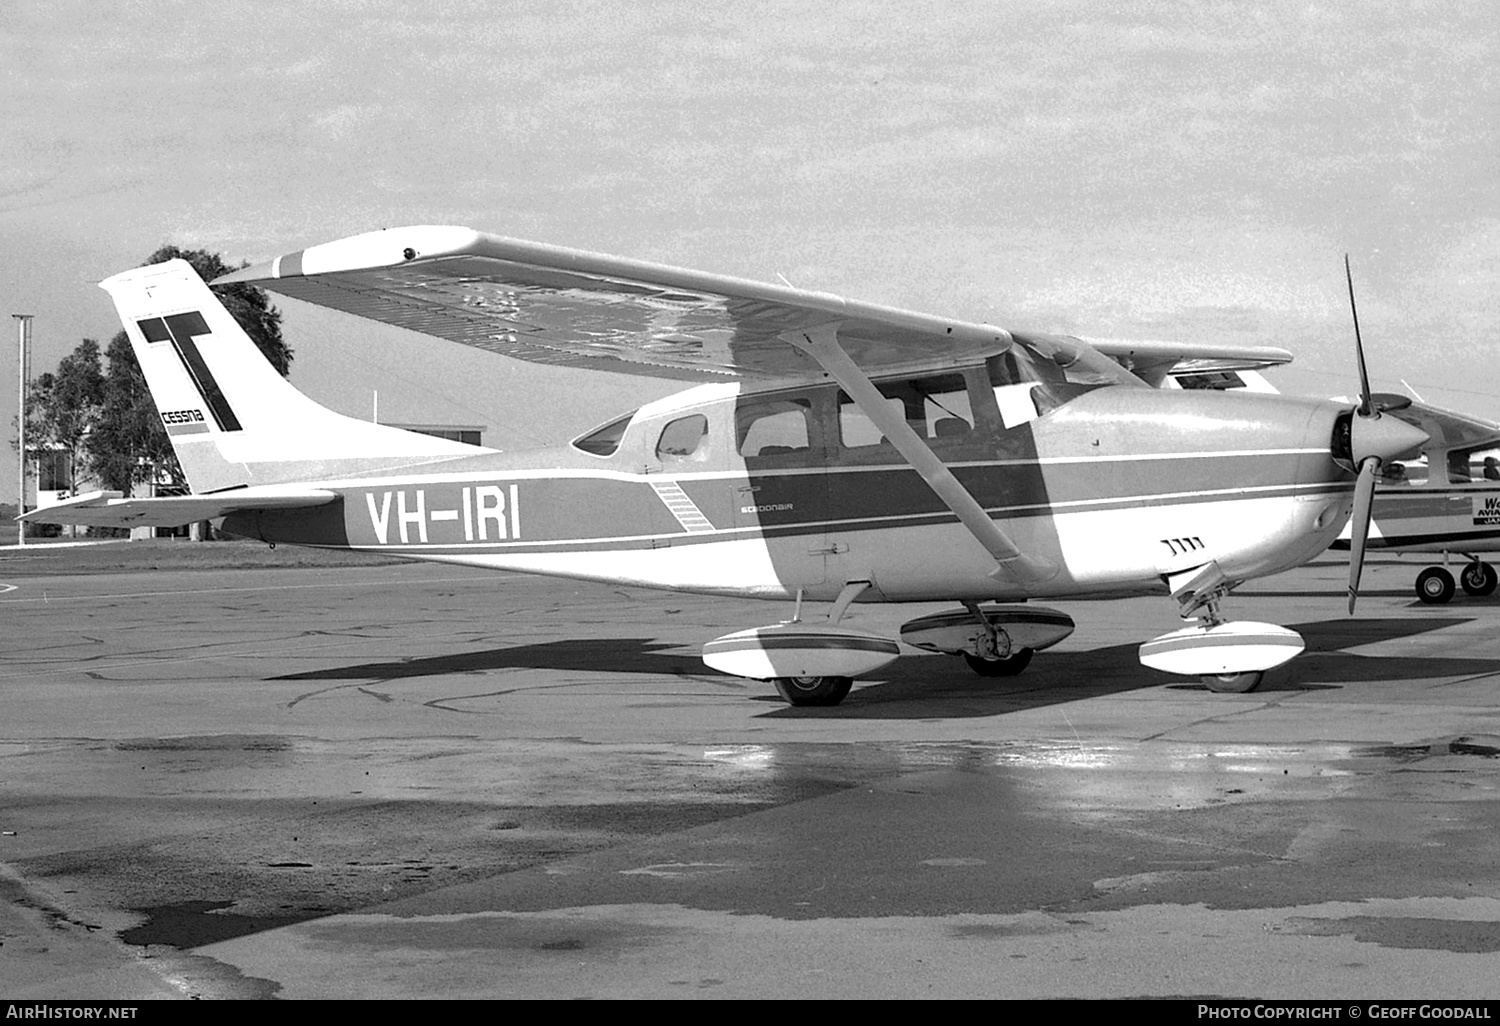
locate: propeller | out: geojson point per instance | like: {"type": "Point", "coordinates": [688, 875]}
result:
{"type": "Point", "coordinates": [1373, 441]}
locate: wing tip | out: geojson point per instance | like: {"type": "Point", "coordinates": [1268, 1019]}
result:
{"type": "Point", "coordinates": [385, 247]}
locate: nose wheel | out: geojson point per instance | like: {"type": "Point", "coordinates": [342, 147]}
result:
{"type": "Point", "coordinates": [1233, 683]}
{"type": "Point", "coordinates": [1478, 578]}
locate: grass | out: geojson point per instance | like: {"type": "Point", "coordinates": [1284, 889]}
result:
{"type": "Point", "coordinates": [46, 558]}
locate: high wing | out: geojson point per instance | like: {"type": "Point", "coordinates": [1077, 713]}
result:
{"type": "Point", "coordinates": [1154, 361]}
{"type": "Point", "coordinates": [551, 305]}
{"type": "Point", "coordinates": [546, 304]}
{"type": "Point", "coordinates": [111, 509]}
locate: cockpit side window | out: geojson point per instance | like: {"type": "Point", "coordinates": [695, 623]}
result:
{"type": "Point", "coordinates": [935, 407]}
{"type": "Point", "coordinates": [604, 441]}
{"type": "Point", "coordinates": [1026, 387]}
{"type": "Point", "coordinates": [683, 439]}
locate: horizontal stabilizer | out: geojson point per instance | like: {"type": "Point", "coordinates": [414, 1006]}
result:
{"type": "Point", "coordinates": [111, 509]}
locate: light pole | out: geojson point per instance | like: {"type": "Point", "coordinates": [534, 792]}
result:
{"type": "Point", "coordinates": [23, 346]}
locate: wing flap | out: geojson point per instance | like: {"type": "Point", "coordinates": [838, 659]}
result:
{"type": "Point", "coordinates": [552, 305]}
{"type": "Point", "coordinates": [112, 509]}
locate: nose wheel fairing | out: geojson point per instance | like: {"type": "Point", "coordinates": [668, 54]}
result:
{"type": "Point", "coordinates": [1227, 655]}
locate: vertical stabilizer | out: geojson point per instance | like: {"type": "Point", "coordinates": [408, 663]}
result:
{"type": "Point", "coordinates": [231, 418]}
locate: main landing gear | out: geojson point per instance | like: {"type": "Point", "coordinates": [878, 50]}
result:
{"type": "Point", "coordinates": [996, 641]}
{"type": "Point", "coordinates": [815, 664]}
{"type": "Point", "coordinates": [1000, 666]}
{"type": "Point", "coordinates": [1435, 584]}
{"type": "Point", "coordinates": [810, 663]}
{"type": "Point", "coordinates": [1229, 657]}
{"type": "Point", "coordinates": [813, 690]}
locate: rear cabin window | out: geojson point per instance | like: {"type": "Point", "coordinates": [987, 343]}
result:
{"type": "Point", "coordinates": [775, 428]}
{"type": "Point", "coordinates": [604, 441]}
{"type": "Point", "coordinates": [683, 439]}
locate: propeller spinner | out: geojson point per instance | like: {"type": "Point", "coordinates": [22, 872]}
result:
{"type": "Point", "coordinates": [1373, 441]}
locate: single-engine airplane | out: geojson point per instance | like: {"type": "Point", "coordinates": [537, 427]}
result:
{"type": "Point", "coordinates": [1447, 501]}
{"type": "Point", "coordinates": [841, 451]}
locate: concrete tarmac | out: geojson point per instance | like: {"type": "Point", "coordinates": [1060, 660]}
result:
{"type": "Point", "coordinates": [426, 781]}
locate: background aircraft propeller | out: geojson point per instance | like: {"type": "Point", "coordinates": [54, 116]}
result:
{"type": "Point", "coordinates": [1373, 441]}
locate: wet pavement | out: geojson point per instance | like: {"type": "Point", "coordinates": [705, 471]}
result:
{"type": "Point", "coordinates": [424, 781]}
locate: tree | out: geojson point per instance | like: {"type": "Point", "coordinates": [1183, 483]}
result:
{"type": "Point", "coordinates": [128, 444]}
{"type": "Point", "coordinates": [248, 304]}
{"type": "Point", "coordinates": [63, 406]}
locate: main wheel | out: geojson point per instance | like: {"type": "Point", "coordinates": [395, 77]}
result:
{"type": "Point", "coordinates": [1007, 667]}
{"type": "Point", "coordinates": [1233, 683]}
{"type": "Point", "coordinates": [1478, 578]}
{"type": "Point", "coordinates": [814, 690]}
{"type": "Point", "coordinates": [1434, 586]}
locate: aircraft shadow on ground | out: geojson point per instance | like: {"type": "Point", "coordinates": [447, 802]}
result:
{"type": "Point", "coordinates": [928, 686]}
{"type": "Point", "coordinates": [602, 655]}
{"type": "Point", "coordinates": [1459, 597]}
{"type": "Point", "coordinates": [1326, 660]}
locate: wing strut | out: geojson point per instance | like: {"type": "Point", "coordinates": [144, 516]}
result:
{"type": "Point", "coordinates": [822, 344]}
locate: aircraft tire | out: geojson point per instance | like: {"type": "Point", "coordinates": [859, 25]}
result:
{"type": "Point", "coordinates": [1478, 579]}
{"type": "Point", "coordinates": [814, 690]}
{"type": "Point", "coordinates": [1233, 683]}
{"type": "Point", "coordinates": [1434, 586]}
{"type": "Point", "coordinates": [1009, 667]}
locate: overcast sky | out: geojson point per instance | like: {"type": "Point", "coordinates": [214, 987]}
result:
{"type": "Point", "coordinates": [1153, 170]}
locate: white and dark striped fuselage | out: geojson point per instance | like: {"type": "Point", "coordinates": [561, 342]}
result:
{"type": "Point", "coordinates": [1115, 486]}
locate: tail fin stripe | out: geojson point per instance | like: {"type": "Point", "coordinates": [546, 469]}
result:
{"type": "Point", "coordinates": [180, 329]}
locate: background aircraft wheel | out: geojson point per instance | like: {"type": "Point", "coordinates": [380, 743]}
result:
{"type": "Point", "coordinates": [814, 690]}
{"type": "Point", "coordinates": [1233, 683]}
{"type": "Point", "coordinates": [1434, 585]}
{"type": "Point", "coordinates": [1478, 578]}
{"type": "Point", "coordinates": [1018, 661]}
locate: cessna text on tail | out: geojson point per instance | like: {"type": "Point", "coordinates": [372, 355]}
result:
{"type": "Point", "coordinates": [842, 452]}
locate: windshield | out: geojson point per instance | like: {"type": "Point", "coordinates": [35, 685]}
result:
{"type": "Point", "coordinates": [1042, 372]}
{"type": "Point", "coordinates": [604, 441]}
{"type": "Point", "coordinates": [1062, 358]}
